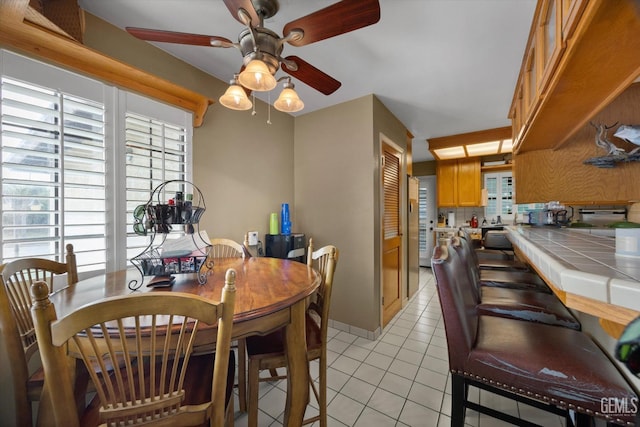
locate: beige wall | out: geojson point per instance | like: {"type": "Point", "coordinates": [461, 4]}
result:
{"type": "Point", "coordinates": [242, 165]}
{"type": "Point", "coordinates": [337, 197]}
{"type": "Point", "coordinates": [334, 161]}
{"type": "Point", "coordinates": [424, 168]}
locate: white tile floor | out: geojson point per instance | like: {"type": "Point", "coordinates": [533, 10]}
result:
{"type": "Point", "coordinates": [401, 379]}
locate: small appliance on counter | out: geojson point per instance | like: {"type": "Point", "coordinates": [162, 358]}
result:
{"type": "Point", "coordinates": [451, 219]}
{"type": "Point", "coordinates": [601, 217]}
{"type": "Point", "coordinates": [286, 246]}
{"type": "Point", "coordinates": [491, 227]}
{"type": "Point", "coordinates": [474, 221]}
{"type": "Point", "coordinates": [627, 238]}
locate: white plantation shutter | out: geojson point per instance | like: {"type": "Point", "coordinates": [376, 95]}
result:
{"type": "Point", "coordinates": [53, 174]}
{"type": "Point", "coordinates": [76, 158]}
{"type": "Point", "coordinates": [156, 152]}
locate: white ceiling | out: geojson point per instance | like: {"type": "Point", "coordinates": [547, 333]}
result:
{"type": "Point", "coordinates": [442, 67]}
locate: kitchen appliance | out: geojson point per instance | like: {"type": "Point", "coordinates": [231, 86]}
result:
{"type": "Point", "coordinates": [549, 217]}
{"type": "Point", "coordinates": [602, 217]}
{"type": "Point", "coordinates": [628, 239]}
{"type": "Point", "coordinates": [289, 246]}
{"type": "Point", "coordinates": [413, 242]}
{"type": "Point", "coordinates": [535, 217]}
{"type": "Point", "coordinates": [474, 221]}
{"type": "Point", "coordinates": [561, 217]}
{"type": "Point", "coordinates": [451, 219]}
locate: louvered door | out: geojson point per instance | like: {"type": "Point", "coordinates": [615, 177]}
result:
{"type": "Point", "coordinates": [392, 234]}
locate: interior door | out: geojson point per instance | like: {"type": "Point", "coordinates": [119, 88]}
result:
{"type": "Point", "coordinates": [392, 234]}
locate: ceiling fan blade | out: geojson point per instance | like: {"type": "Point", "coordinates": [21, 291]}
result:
{"type": "Point", "coordinates": [339, 18]}
{"type": "Point", "coordinates": [235, 5]}
{"type": "Point", "coordinates": [181, 38]}
{"type": "Point", "coordinates": [310, 75]}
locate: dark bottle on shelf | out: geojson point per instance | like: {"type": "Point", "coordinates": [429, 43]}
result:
{"type": "Point", "coordinates": [179, 198]}
{"type": "Point", "coordinates": [187, 208]}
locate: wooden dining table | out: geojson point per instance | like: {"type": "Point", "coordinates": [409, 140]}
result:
{"type": "Point", "coordinates": [271, 293]}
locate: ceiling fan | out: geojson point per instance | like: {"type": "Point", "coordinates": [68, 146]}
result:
{"type": "Point", "coordinates": [262, 47]}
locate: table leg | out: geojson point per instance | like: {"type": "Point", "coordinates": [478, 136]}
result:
{"type": "Point", "coordinates": [298, 367]}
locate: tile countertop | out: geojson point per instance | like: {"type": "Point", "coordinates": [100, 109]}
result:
{"type": "Point", "coordinates": [455, 229]}
{"type": "Point", "coordinates": [584, 269]}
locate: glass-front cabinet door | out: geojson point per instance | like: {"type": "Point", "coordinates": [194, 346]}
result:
{"type": "Point", "coordinates": [500, 196]}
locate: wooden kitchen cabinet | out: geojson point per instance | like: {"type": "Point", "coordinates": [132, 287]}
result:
{"type": "Point", "coordinates": [561, 174]}
{"type": "Point", "coordinates": [447, 182]}
{"type": "Point", "coordinates": [581, 54]}
{"type": "Point", "coordinates": [550, 42]}
{"type": "Point", "coordinates": [571, 12]}
{"type": "Point", "coordinates": [459, 182]}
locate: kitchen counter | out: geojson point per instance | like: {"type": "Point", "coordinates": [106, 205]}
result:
{"type": "Point", "coordinates": [584, 271]}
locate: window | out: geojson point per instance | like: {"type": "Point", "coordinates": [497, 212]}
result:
{"type": "Point", "coordinates": [53, 173]}
{"type": "Point", "coordinates": [499, 188]}
{"type": "Point", "coordinates": [77, 157]}
{"type": "Point", "coordinates": [156, 152]}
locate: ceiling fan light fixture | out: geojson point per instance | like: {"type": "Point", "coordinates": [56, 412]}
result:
{"type": "Point", "coordinates": [235, 98]}
{"type": "Point", "coordinates": [256, 76]}
{"type": "Point", "coordinates": [288, 101]}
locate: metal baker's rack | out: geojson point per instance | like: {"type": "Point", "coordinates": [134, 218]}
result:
{"type": "Point", "coordinates": [159, 218]}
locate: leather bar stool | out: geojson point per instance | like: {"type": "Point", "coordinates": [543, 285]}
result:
{"type": "Point", "coordinates": [559, 370]}
{"type": "Point", "coordinates": [517, 304]}
{"type": "Point", "coordinates": [504, 278]}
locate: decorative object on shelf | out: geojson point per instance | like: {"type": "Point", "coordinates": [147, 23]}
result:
{"type": "Point", "coordinates": [157, 218]}
{"type": "Point", "coordinates": [285, 220]}
{"type": "Point", "coordinates": [615, 154]}
{"type": "Point", "coordinates": [273, 223]}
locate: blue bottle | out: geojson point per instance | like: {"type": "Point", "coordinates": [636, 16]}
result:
{"type": "Point", "coordinates": [285, 221]}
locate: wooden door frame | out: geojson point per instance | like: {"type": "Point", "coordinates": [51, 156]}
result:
{"type": "Point", "coordinates": [383, 139]}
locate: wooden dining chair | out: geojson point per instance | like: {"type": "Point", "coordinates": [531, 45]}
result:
{"type": "Point", "coordinates": [162, 381]}
{"type": "Point", "coordinates": [16, 326]}
{"type": "Point", "coordinates": [267, 352]}
{"type": "Point", "coordinates": [227, 248]}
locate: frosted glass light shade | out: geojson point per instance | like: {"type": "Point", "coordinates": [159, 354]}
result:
{"type": "Point", "coordinates": [256, 76]}
{"type": "Point", "coordinates": [288, 101]}
{"type": "Point", "coordinates": [235, 98]}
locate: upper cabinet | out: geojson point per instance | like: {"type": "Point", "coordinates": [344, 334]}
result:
{"type": "Point", "coordinates": [580, 55]}
{"type": "Point", "coordinates": [458, 182]}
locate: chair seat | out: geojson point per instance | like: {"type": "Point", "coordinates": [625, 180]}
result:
{"type": "Point", "coordinates": [555, 365]}
{"type": "Point", "coordinates": [197, 386]}
{"type": "Point", "coordinates": [513, 280]}
{"type": "Point", "coordinates": [486, 254]}
{"type": "Point", "coordinates": [502, 264]}
{"type": "Point", "coordinates": [526, 305]}
{"type": "Point", "coordinates": [273, 343]}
